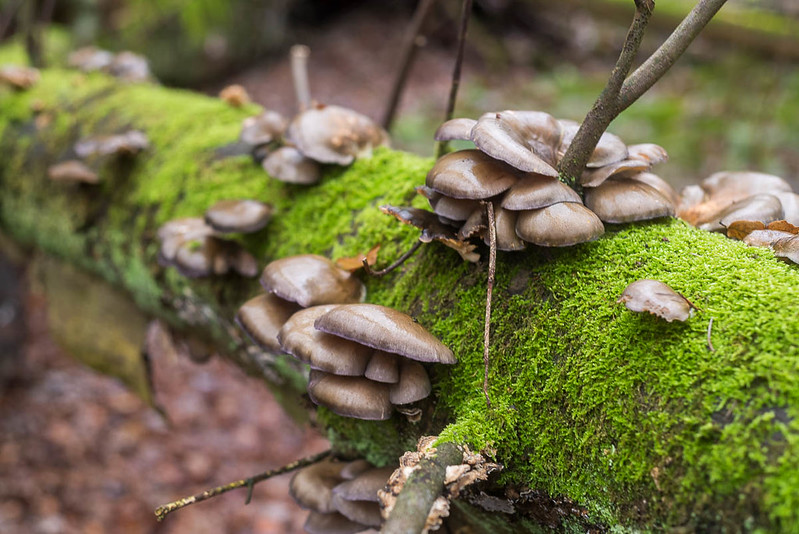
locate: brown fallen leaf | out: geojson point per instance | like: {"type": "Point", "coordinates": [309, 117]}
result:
{"type": "Point", "coordinates": [741, 229]}
{"type": "Point", "coordinates": [764, 238]}
{"type": "Point", "coordinates": [353, 263]}
{"type": "Point", "coordinates": [783, 226]}
{"type": "Point", "coordinates": [658, 299]}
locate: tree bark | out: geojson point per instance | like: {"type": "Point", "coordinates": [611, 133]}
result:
{"type": "Point", "coordinates": [630, 418]}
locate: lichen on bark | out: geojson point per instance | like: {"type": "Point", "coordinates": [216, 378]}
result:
{"type": "Point", "coordinates": [632, 417]}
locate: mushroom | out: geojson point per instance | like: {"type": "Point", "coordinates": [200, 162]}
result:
{"type": "Point", "coordinates": [235, 95]}
{"type": "Point", "coordinates": [453, 129]}
{"type": "Point", "coordinates": [524, 139]}
{"type": "Point", "coordinates": [240, 215]}
{"type": "Point", "coordinates": [470, 174]}
{"type": "Point", "coordinates": [559, 225]}
{"type": "Point", "coordinates": [790, 206]}
{"type": "Point", "coordinates": [72, 171]}
{"type": "Point", "coordinates": [333, 134]}
{"type": "Point", "coordinates": [764, 208]}
{"type": "Point", "coordinates": [609, 149]}
{"type": "Point", "coordinates": [621, 200]}
{"type": "Point", "coordinates": [129, 143]}
{"type": "Point", "coordinates": [351, 396]}
{"type": "Point", "coordinates": [310, 280]}
{"type": "Point", "coordinates": [536, 191]}
{"type": "Point", "coordinates": [19, 77]}
{"type": "Point", "coordinates": [262, 129]}
{"type": "Point", "coordinates": [262, 317]}
{"type": "Point", "coordinates": [289, 165]}
{"type": "Point", "coordinates": [130, 67]}
{"type": "Point", "coordinates": [90, 58]}
{"type": "Point", "coordinates": [787, 248]}
{"type": "Point", "coordinates": [764, 238]}
{"type": "Point", "coordinates": [357, 499]}
{"type": "Point", "coordinates": [656, 298]}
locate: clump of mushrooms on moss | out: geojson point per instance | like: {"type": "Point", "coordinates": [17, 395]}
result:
{"type": "Point", "coordinates": [195, 247]}
{"type": "Point", "coordinates": [293, 151]}
{"type": "Point", "coordinates": [513, 167]}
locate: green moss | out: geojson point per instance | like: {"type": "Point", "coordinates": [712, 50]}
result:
{"type": "Point", "coordinates": [633, 417]}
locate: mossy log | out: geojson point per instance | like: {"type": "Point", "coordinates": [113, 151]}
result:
{"type": "Point", "coordinates": [637, 422]}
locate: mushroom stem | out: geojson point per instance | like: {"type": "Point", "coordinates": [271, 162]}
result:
{"type": "Point", "coordinates": [299, 74]}
{"type": "Point", "coordinates": [412, 41]}
{"type": "Point", "coordinates": [620, 93]}
{"type": "Point", "coordinates": [407, 254]}
{"type": "Point", "coordinates": [492, 269]}
{"type": "Point", "coordinates": [162, 511]}
{"type": "Point", "coordinates": [456, 73]}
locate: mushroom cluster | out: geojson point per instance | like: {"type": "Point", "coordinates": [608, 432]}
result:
{"type": "Point", "coordinates": [194, 246]}
{"type": "Point", "coordinates": [291, 284]}
{"type": "Point", "coordinates": [761, 209]}
{"type": "Point", "coordinates": [319, 135]}
{"type": "Point", "coordinates": [342, 496]}
{"type": "Point", "coordinates": [364, 358]}
{"type": "Point", "coordinates": [95, 149]}
{"type": "Point", "coordinates": [514, 168]}
{"type": "Point", "coordinates": [124, 65]}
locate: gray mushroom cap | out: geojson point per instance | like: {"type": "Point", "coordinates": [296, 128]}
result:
{"type": "Point", "coordinates": [310, 280]}
{"type": "Point", "coordinates": [385, 329]}
{"type": "Point", "coordinates": [383, 367]}
{"type": "Point", "coordinates": [623, 200]}
{"type": "Point", "coordinates": [595, 177]}
{"type": "Point", "coordinates": [559, 225]}
{"type": "Point", "coordinates": [322, 351]}
{"type": "Point", "coordinates": [238, 215]}
{"type": "Point", "coordinates": [764, 238]}
{"type": "Point", "coordinates": [312, 486]}
{"type": "Point", "coordinates": [790, 206]}
{"type": "Point", "coordinates": [764, 208]}
{"type": "Point", "coordinates": [455, 129]}
{"type": "Point", "coordinates": [365, 485]}
{"type": "Point", "coordinates": [657, 298]}
{"type": "Point", "coordinates": [263, 316]}
{"type": "Point", "coordinates": [90, 58]}
{"type": "Point", "coordinates": [536, 191]}
{"type": "Point", "coordinates": [262, 129]}
{"type": "Point", "coordinates": [350, 396]}
{"type": "Point", "coordinates": [727, 187]}
{"type": "Point", "coordinates": [609, 149]}
{"type": "Point", "coordinates": [413, 385]}
{"type": "Point", "coordinates": [526, 140]}
{"type": "Point", "coordinates": [649, 152]}
{"type": "Point", "coordinates": [333, 134]}
{"type": "Point", "coordinates": [128, 143]}
{"type": "Point", "coordinates": [174, 233]}
{"type": "Point", "coordinates": [362, 512]}
{"type": "Point", "coordinates": [289, 165]}
{"type": "Point", "coordinates": [505, 222]}
{"type": "Point", "coordinates": [659, 184]}
{"type": "Point", "coordinates": [470, 174]}
{"type": "Point", "coordinates": [787, 248]}
{"type": "Point", "coordinates": [72, 171]}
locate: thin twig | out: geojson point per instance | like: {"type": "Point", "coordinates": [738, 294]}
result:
{"type": "Point", "coordinates": [407, 254]}
{"type": "Point", "coordinates": [162, 511]}
{"type": "Point", "coordinates": [492, 268]}
{"type": "Point", "coordinates": [604, 109]}
{"type": "Point", "coordinates": [709, 342]}
{"type": "Point", "coordinates": [456, 73]}
{"type": "Point", "coordinates": [410, 44]}
{"type": "Point", "coordinates": [299, 74]}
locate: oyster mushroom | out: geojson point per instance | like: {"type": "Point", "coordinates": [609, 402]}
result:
{"type": "Point", "coordinates": [72, 171]}
{"type": "Point", "coordinates": [787, 248]}
{"type": "Point", "coordinates": [310, 280]}
{"type": "Point", "coordinates": [470, 174]}
{"type": "Point", "coordinates": [333, 134]}
{"type": "Point", "coordinates": [764, 208]}
{"type": "Point", "coordinates": [289, 165]}
{"type": "Point", "coordinates": [262, 129]}
{"type": "Point", "coordinates": [129, 143]}
{"type": "Point", "coordinates": [19, 77]}
{"type": "Point", "coordinates": [658, 299]}
{"type": "Point", "coordinates": [536, 191]}
{"type": "Point", "coordinates": [609, 149]}
{"type": "Point", "coordinates": [263, 316]}
{"type": "Point", "coordinates": [239, 215]}
{"type": "Point", "coordinates": [351, 396]}
{"type": "Point", "coordinates": [621, 200]}
{"type": "Point", "coordinates": [559, 225]}
{"type": "Point", "coordinates": [357, 499]}
{"type": "Point", "coordinates": [130, 67]}
{"type": "Point", "coordinates": [455, 129]}
{"type": "Point", "coordinates": [90, 58]}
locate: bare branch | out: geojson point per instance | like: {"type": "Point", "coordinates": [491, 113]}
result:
{"type": "Point", "coordinates": [405, 255]}
{"type": "Point", "coordinates": [456, 73]}
{"type": "Point", "coordinates": [162, 511]}
{"type": "Point", "coordinates": [492, 269]}
{"type": "Point", "coordinates": [664, 57]}
{"type": "Point", "coordinates": [410, 44]}
{"type": "Point", "coordinates": [605, 108]}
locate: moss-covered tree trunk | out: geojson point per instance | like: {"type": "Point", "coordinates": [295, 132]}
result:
{"type": "Point", "coordinates": [633, 419]}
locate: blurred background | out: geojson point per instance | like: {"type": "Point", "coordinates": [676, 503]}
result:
{"type": "Point", "coordinates": [80, 453]}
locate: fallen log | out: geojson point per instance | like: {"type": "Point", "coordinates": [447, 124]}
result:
{"type": "Point", "coordinates": [636, 422]}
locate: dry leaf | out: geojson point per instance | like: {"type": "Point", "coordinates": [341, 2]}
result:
{"type": "Point", "coordinates": [353, 263]}
{"type": "Point", "coordinates": [433, 229]}
{"type": "Point", "coordinates": [741, 229]}
{"type": "Point", "coordinates": [783, 226]}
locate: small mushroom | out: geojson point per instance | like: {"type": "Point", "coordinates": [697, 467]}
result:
{"type": "Point", "coordinates": [333, 134]}
{"type": "Point", "coordinates": [263, 316]}
{"type": "Point", "coordinates": [453, 129]}
{"type": "Point", "coordinates": [764, 208]}
{"type": "Point", "coordinates": [505, 222]}
{"type": "Point", "coordinates": [413, 385]}
{"type": "Point", "coordinates": [609, 149]}
{"type": "Point", "coordinates": [787, 248]}
{"type": "Point", "coordinates": [333, 523]}
{"type": "Point", "coordinates": [658, 299]}
{"type": "Point", "coordinates": [262, 129]}
{"type": "Point", "coordinates": [235, 95]}
{"type": "Point", "coordinates": [525, 140]}
{"type": "Point", "coordinates": [310, 280]}
{"type": "Point", "coordinates": [790, 206]}
{"type": "Point", "coordinates": [536, 191]}
{"type": "Point", "coordinates": [470, 174]}
{"type": "Point", "coordinates": [621, 200]}
{"type": "Point", "coordinates": [351, 396]}
{"type": "Point", "coordinates": [72, 171]}
{"type": "Point", "coordinates": [764, 238]}
{"type": "Point", "coordinates": [559, 225]}
{"type": "Point", "coordinates": [129, 143]}
{"type": "Point", "coordinates": [130, 67]}
{"type": "Point", "coordinates": [90, 58]}
{"type": "Point", "coordinates": [385, 329]}
{"type": "Point", "coordinates": [312, 487]}
{"type": "Point", "coordinates": [244, 216]}
{"type": "Point", "coordinates": [357, 499]}
{"type": "Point", "coordinates": [727, 187]}
{"type": "Point", "coordinates": [19, 77]}
{"type": "Point", "coordinates": [383, 367]}
{"type": "Point", "coordinates": [174, 233]}
{"type": "Point", "coordinates": [289, 165]}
